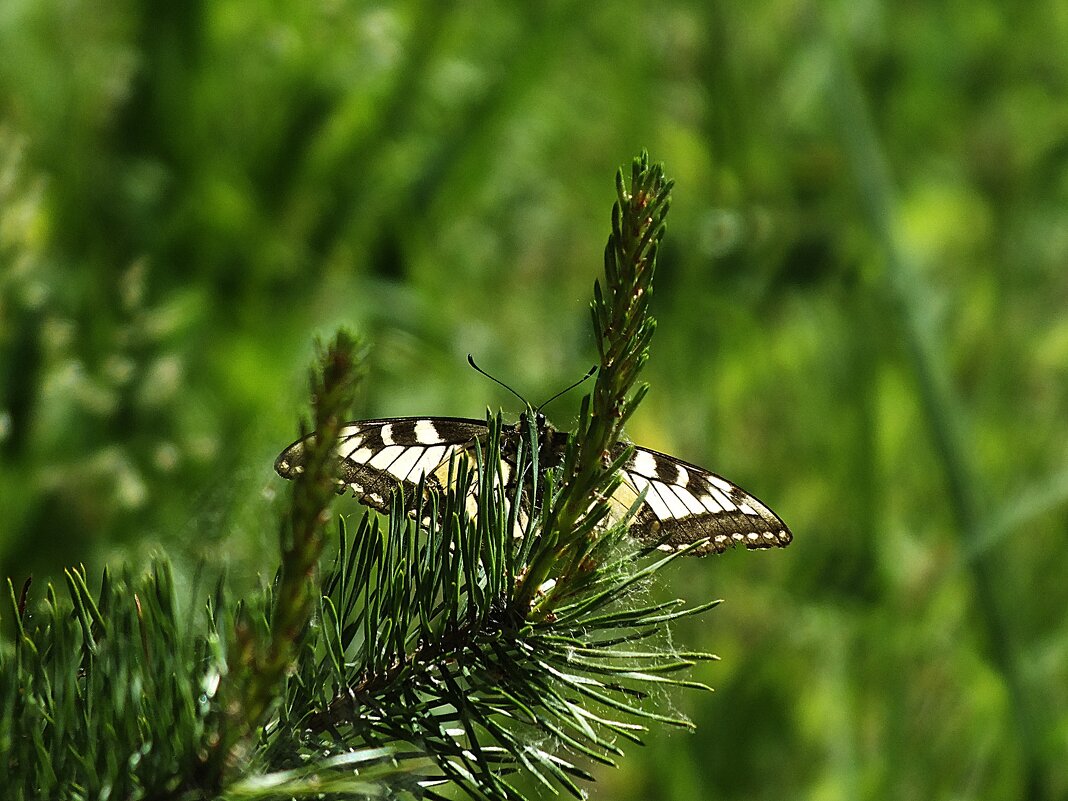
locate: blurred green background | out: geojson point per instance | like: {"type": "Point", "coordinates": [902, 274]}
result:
{"type": "Point", "coordinates": [861, 300]}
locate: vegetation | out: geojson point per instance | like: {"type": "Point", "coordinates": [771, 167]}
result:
{"type": "Point", "coordinates": [444, 653]}
{"type": "Point", "coordinates": [861, 311]}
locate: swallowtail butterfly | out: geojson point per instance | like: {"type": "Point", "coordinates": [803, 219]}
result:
{"type": "Point", "coordinates": [683, 503]}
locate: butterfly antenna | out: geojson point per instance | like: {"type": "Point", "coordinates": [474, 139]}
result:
{"type": "Point", "coordinates": [564, 391]}
{"type": "Point", "coordinates": [471, 361]}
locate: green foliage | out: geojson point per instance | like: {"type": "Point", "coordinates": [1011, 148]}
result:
{"type": "Point", "coordinates": [110, 694]}
{"type": "Point", "coordinates": [189, 194]}
{"type": "Point", "coordinates": [443, 649]}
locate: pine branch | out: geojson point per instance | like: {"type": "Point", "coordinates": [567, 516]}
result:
{"type": "Point", "coordinates": [623, 329]}
{"type": "Point", "coordinates": [470, 647]}
{"type": "Point", "coordinates": [262, 662]}
{"type": "Point", "coordinates": [439, 649]}
{"type": "Point", "coordinates": [109, 694]}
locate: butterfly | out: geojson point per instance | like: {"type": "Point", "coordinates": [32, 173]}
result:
{"type": "Point", "coordinates": [682, 503]}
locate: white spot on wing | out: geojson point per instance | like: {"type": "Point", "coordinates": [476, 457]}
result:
{"type": "Point", "coordinates": [520, 529]}
{"type": "Point", "coordinates": [638, 481]}
{"type": "Point", "coordinates": [430, 459]}
{"type": "Point", "coordinates": [385, 457]}
{"type": "Point", "coordinates": [674, 504]}
{"type": "Point", "coordinates": [692, 504]}
{"type": "Point", "coordinates": [721, 499]}
{"type": "Point", "coordinates": [426, 434]}
{"type": "Point", "coordinates": [405, 464]}
{"type": "Point", "coordinates": [643, 463]}
{"type": "Point", "coordinates": [684, 476]}
{"type": "Point", "coordinates": [710, 504]}
{"type": "Point", "coordinates": [361, 455]}
{"type": "Point", "coordinates": [745, 508]}
{"type": "Point", "coordinates": [652, 499]}
{"type": "Point", "coordinates": [387, 434]}
{"type": "Point", "coordinates": [722, 484]}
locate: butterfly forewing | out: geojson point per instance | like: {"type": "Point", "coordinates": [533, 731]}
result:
{"type": "Point", "coordinates": [377, 456]}
{"type": "Point", "coordinates": [380, 457]}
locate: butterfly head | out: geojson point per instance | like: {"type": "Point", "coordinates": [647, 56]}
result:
{"type": "Point", "coordinates": [533, 418]}
{"type": "Point", "coordinates": [541, 422]}
{"type": "Point", "coordinates": [550, 442]}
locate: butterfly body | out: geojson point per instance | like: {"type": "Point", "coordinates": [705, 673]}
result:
{"type": "Point", "coordinates": [682, 502]}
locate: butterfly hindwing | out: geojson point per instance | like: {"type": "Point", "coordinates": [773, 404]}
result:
{"type": "Point", "coordinates": [684, 503]}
